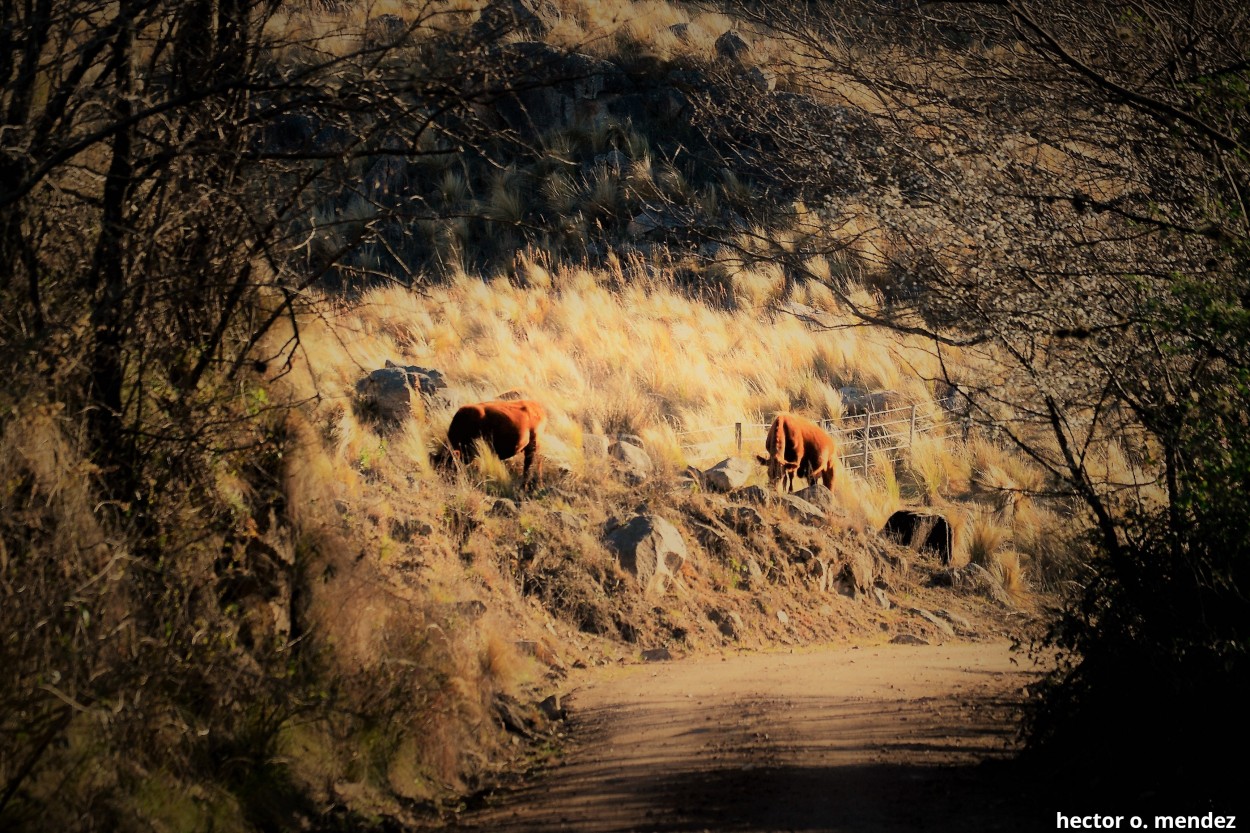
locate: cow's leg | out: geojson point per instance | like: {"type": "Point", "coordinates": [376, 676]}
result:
{"type": "Point", "coordinates": [531, 459]}
{"type": "Point", "coordinates": [827, 476]}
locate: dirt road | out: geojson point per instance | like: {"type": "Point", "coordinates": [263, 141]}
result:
{"type": "Point", "coordinates": [883, 738]}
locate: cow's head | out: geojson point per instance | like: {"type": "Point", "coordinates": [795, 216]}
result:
{"type": "Point", "coordinates": [778, 468]}
{"type": "Point", "coordinates": [445, 458]}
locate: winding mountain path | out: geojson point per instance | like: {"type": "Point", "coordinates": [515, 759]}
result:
{"type": "Point", "coordinates": [882, 738]}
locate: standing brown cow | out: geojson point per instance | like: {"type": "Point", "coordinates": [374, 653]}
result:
{"type": "Point", "coordinates": [797, 446]}
{"type": "Point", "coordinates": [507, 427]}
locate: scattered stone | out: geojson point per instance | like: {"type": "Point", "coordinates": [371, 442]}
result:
{"type": "Point", "coordinates": [801, 510]}
{"type": "Point", "coordinates": [921, 532]}
{"type": "Point", "coordinates": [386, 395]}
{"type": "Point", "coordinates": [732, 46]}
{"type": "Point", "coordinates": [656, 655]}
{"type": "Point", "coordinates": [729, 474]}
{"type": "Point", "coordinates": [551, 708]}
{"type": "Point", "coordinates": [955, 619]}
{"type": "Point", "coordinates": [857, 401]}
{"type": "Point", "coordinates": [506, 17]}
{"type": "Point", "coordinates": [742, 518]}
{"type": "Point", "coordinates": [764, 80]}
{"type": "Point", "coordinates": [908, 639]}
{"type": "Point", "coordinates": [651, 549]}
{"type": "Point", "coordinates": [568, 519]}
{"type": "Point", "coordinates": [728, 622]}
{"type": "Point", "coordinates": [783, 617]}
{"type": "Point", "coordinates": [472, 610]}
{"type": "Point", "coordinates": [713, 538]}
{"type": "Point", "coordinates": [750, 494]}
{"type": "Point", "coordinates": [595, 446]}
{"type": "Point", "coordinates": [635, 462]}
{"type": "Point", "coordinates": [503, 508]}
{"type": "Point", "coordinates": [819, 496]}
{"type": "Point", "coordinates": [514, 716]}
{"type": "Point", "coordinates": [882, 599]}
{"type": "Point", "coordinates": [941, 624]}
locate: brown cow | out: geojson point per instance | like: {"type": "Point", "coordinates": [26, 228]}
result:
{"type": "Point", "coordinates": [507, 427]}
{"type": "Point", "coordinates": [797, 446]}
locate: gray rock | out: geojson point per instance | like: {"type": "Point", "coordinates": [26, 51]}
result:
{"type": "Point", "coordinates": [857, 401]}
{"type": "Point", "coordinates": [751, 494]}
{"type": "Point", "coordinates": [921, 531]}
{"type": "Point", "coordinates": [762, 79]}
{"type": "Point", "coordinates": [742, 518]}
{"type": "Point", "coordinates": [732, 46]}
{"type": "Point", "coordinates": [385, 29]}
{"type": "Point", "coordinates": [883, 601]}
{"type": "Point", "coordinates": [820, 497]}
{"type": "Point", "coordinates": [636, 462]}
{"type": "Point", "coordinates": [613, 160]}
{"type": "Point", "coordinates": [908, 639]}
{"type": "Point", "coordinates": [801, 510]}
{"type": "Point", "coordinates": [552, 709]}
{"type": "Point", "coordinates": [650, 548]}
{"type": "Point", "coordinates": [505, 17]}
{"type": "Point", "coordinates": [713, 538]}
{"type": "Point", "coordinates": [386, 394]}
{"type": "Point", "coordinates": [729, 474]}
{"type": "Point", "coordinates": [941, 624]}
{"type": "Point", "coordinates": [425, 380]}
{"type": "Point", "coordinates": [728, 622]}
{"type": "Point", "coordinates": [955, 619]}
{"type": "Point", "coordinates": [656, 655]}
{"type": "Point", "coordinates": [503, 508]}
{"type": "Point", "coordinates": [595, 446]}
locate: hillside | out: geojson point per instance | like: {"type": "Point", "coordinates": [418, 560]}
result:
{"type": "Point", "coordinates": [259, 254]}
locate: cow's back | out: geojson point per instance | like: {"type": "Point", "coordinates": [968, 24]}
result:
{"type": "Point", "coordinates": [506, 426]}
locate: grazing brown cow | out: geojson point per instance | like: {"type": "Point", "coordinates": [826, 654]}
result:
{"type": "Point", "coordinates": [798, 447]}
{"type": "Point", "coordinates": [507, 427]}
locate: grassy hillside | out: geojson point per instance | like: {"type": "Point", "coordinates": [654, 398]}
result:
{"type": "Point", "coordinates": [238, 599]}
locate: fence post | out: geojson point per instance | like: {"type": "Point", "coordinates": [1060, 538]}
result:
{"type": "Point", "coordinates": [738, 436]}
{"type": "Point", "coordinates": [911, 431]}
{"type": "Point", "coordinates": [867, 426]}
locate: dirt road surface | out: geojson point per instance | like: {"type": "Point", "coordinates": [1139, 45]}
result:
{"type": "Point", "coordinates": [882, 738]}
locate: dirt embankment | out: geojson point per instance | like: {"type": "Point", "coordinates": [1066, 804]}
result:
{"type": "Point", "coordinates": [869, 738]}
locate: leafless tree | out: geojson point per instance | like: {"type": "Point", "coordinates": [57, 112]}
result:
{"type": "Point", "coordinates": [1059, 189]}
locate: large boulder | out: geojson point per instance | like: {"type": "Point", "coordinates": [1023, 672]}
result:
{"type": "Point", "coordinates": [922, 532]}
{"type": "Point", "coordinates": [650, 548]}
{"type": "Point", "coordinates": [857, 401]}
{"type": "Point", "coordinates": [801, 510]}
{"type": "Point", "coordinates": [635, 463]}
{"type": "Point", "coordinates": [424, 380]}
{"type": "Point", "coordinates": [549, 86]}
{"type": "Point", "coordinates": [513, 17]}
{"type": "Point", "coordinates": [731, 46]}
{"type": "Point", "coordinates": [729, 474]}
{"type": "Point", "coordinates": [387, 393]}
{"type": "Point", "coordinates": [819, 496]}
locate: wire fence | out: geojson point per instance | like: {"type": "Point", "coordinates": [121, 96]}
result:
{"type": "Point", "coordinates": [860, 438]}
